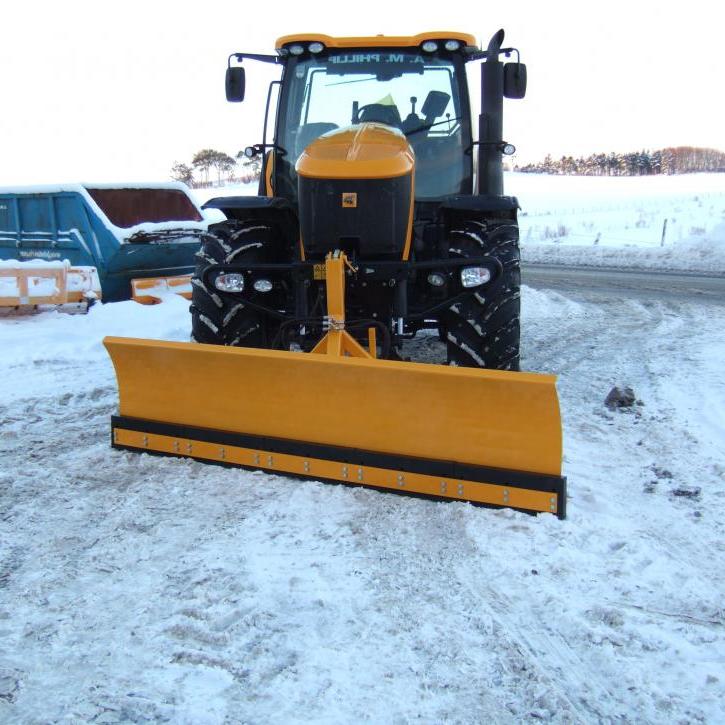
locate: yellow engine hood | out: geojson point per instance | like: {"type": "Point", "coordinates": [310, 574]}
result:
{"type": "Point", "coordinates": [366, 151]}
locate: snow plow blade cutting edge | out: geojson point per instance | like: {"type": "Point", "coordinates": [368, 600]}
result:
{"type": "Point", "coordinates": [485, 436]}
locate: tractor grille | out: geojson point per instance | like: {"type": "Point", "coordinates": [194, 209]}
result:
{"type": "Point", "coordinates": [367, 218]}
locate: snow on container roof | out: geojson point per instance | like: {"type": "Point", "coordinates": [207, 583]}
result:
{"type": "Point", "coordinates": [80, 186]}
{"type": "Point", "coordinates": [126, 214]}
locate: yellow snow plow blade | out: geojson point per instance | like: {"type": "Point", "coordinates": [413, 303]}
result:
{"type": "Point", "coordinates": [337, 413]}
{"type": "Point", "coordinates": [485, 436]}
{"type": "Point", "coordinates": [152, 290]}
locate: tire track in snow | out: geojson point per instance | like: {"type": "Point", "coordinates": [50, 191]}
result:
{"type": "Point", "coordinates": [420, 546]}
{"type": "Point", "coordinates": [588, 696]}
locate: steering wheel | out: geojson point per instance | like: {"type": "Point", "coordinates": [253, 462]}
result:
{"type": "Point", "coordinates": [362, 108]}
{"type": "Point", "coordinates": [388, 115]}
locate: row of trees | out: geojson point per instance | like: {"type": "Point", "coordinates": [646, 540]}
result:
{"type": "Point", "coordinates": [226, 167]}
{"type": "Point", "coordinates": [680, 160]}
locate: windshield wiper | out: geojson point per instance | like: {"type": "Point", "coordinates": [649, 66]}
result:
{"type": "Point", "coordinates": [163, 234]}
{"type": "Point", "coordinates": [355, 80]}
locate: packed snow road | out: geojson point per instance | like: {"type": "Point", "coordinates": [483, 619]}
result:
{"type": "Point", "coordinates": [689, 286]}
{"type": "Point", "coordinates": [141, 589]}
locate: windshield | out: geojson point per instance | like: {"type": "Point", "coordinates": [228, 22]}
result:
{"type": "Point", "coordinates": [421, 95]}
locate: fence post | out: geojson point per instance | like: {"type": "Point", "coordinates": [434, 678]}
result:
{"type": "Point", "coordinates": [664, 229]}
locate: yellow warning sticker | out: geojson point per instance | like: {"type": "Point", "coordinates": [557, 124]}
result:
{"type": "Point", "coordinates": [349, 200]}
{"type": "Point", "coordinates": [319, 271]}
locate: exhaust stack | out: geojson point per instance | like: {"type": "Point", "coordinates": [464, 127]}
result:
{"type": "Point", "coordinates": [490, 121]}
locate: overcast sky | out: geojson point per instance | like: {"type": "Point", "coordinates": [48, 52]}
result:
{"type": "Point", "coordinates": [119, 91]}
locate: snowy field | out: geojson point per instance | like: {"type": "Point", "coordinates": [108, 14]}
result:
{"type": "Point", "coordinates": [609, 221]}
{"type": "Point", "coordinates": [140, 589]}
{"type": "Point", "coordinates": [619, 221]}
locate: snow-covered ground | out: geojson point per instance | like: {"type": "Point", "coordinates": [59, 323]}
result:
{"type": "Point", "coordinates": [143, 589]}
{"type": "Point", "coordinates": [609, 221]}
{"type": "Point", "coordinates": [619, 221]}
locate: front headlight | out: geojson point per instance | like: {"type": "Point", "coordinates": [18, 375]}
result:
{"type": "Point", "coordinates": [263, 285]}
{"type": "Point", "coordinates": [231, 282]}
{"type": "Point", "coordinates": [436, 279]}
{"type": "Point", "coordinates": [474, 276]}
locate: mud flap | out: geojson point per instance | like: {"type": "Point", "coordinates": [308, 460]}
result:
{"type": "Point", "coordinates": [485, 436]}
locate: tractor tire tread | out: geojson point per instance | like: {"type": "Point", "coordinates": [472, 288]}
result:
{"type": "Point", "coordinates": [220, 319]}
{"type": "Point", "coordinates": [484, 329]}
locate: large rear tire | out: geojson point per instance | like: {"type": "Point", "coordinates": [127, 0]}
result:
{"type": "Point", "coordinates": [484, 329]}
{"type": "Point", "coordinates": [219, 319]}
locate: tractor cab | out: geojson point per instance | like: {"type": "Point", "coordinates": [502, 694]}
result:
{"type": "Point", "coordinates": [421, 95]}
{"type": "Point", "coordinates": [417, 86]}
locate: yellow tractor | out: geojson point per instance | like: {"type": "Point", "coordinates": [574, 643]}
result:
{"type": "Point", "coordinates": [380, 214]}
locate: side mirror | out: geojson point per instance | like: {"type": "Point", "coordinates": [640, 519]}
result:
{"type": "Point", "coordinates": [234, 84]}
{"type": "Point", "coordinates": [514, 80]}
{"type": "Point", "coordinates": [435, 104]}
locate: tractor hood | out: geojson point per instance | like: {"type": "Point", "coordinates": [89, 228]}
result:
{"type": "Point", "coordinates": [365, 151]}
{"type": "Point", "coordinates": [356, 193]}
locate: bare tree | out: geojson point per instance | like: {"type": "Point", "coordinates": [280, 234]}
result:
{"type": "Point", "coordinates": [223, 163]}
{"type": "Point", "coordinates": [204, 160]}
{"type": "Point", "coordinates": [251, 168]}
{"type": "Point", "coordinates": [182, 172]}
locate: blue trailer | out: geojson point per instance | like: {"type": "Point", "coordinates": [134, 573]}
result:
{"type": "Point", "coordinates": [126, 231]}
